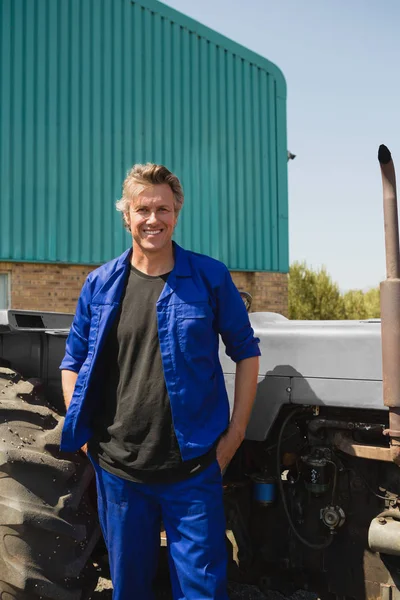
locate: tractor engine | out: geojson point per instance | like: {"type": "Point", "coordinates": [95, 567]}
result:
{"type": "Point", "coordinates": [303, 507]}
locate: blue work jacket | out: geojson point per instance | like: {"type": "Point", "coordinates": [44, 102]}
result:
{"type": "Point", "coordinates": [198, 302]}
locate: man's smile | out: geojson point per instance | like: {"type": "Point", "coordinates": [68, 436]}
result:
{"type": "Point", "coordinates": [152, 231]}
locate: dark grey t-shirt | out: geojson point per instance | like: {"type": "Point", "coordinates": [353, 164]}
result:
{"type": "Point", "coordinates": [134, 435]}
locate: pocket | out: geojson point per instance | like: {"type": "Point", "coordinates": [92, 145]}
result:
{"type": "Point", "coordinates": [195, 329]}
{"type": "Point", "coordinates": [213, 472]}
{"type": "Point", "coordinates": [217, 469]}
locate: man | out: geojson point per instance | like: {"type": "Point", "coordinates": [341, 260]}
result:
{"type": "Point", "coordinates": [144, 388]}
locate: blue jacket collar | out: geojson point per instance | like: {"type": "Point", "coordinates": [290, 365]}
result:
{"type": "Point", "coordinates": [111, 290]}
{"type": "Point", "coordinates": [181, 267]}
{"type": "Point", "coordinates": [125, 258]}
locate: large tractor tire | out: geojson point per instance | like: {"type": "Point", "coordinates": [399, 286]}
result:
{"type": "Point", "coordinates": [48, 527]}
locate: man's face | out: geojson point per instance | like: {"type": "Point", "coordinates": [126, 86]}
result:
{"type": "Point", "coordinates": [152, 218]}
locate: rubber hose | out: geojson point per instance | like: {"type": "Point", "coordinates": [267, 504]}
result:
{"type": "Point", "coordinates": [311, 545]}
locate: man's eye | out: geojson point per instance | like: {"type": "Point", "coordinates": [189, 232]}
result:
{"type": "Point", "coordinates": [142, 209]}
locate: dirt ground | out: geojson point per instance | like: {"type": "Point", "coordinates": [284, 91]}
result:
{"type": "Point", "coordinates": [236, 592]}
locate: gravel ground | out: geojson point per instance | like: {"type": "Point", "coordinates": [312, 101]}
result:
{"type": "Point", "coordinates": [236, 592]}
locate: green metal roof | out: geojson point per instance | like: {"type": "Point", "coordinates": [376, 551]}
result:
{"type": "Point", "coordinates": [90, 87]}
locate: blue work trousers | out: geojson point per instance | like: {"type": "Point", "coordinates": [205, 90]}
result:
{"type": "Point", "coordinates": [193, 516]}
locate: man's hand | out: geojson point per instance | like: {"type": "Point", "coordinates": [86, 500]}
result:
{"type": "Point", "coordinates": [226, 448]}
{"type": "Point", "coordinates": [245, 391]}
{"type": "Point", "coordinates": [68, 381]}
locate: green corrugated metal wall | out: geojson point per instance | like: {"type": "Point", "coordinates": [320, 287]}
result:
{"type": "Point", "coordinates": [89, 87]}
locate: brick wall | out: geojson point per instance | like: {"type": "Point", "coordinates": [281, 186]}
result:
{"type": "Point", "coordinates": [51, 287]}
{"type": "Point", "coordinates": [36, 286]}
{"type": "Point", "coordinates": [269, 290]}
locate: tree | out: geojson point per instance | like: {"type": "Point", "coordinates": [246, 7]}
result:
{"type": "Point", "coordinates": [362, 305]}
{"type": "Point", "coordinates": [372, 303]}
{"type": "Point", "coordinates": [354, 305]}
{"type": "Point", "coordinates": [313, 295]}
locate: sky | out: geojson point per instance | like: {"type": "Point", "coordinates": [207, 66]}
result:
{"type": "Point", "coordinates": [341, 61]}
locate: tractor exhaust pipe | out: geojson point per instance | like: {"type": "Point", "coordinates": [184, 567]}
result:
{"type": "Point", "coordinates": [390, 303]}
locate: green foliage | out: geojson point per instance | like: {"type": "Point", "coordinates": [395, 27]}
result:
{"type": "Point", "coordinates": [362, 305]}
{"type": "Point", "coordinates": [354, 305]}
{"type": "Point", "coordinates": [314, 296]}
{"type": "Point", "coordinates": [372, 303]}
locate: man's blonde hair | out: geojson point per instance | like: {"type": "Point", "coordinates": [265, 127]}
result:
{"type": "Point", "coordinates": [142, 176]}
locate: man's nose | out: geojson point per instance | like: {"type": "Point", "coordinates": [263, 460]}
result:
{"type": "Point", "coordinates": [152, 217]}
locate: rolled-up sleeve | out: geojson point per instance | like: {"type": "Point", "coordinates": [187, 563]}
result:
{"type": "Point", "coordinates": [233, 322]}
{"type": "Point", "coordinates": [76, 347]}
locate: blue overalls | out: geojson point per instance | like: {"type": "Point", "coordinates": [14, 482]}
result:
{"type": "Point", "coordinates": [199, 302]}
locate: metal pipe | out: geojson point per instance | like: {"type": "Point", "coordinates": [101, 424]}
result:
{"type": "Point", "coordinates": [344, 442]}
{"type": "Point", "coordinates": [390, 213]}
{"type": "Point", "coordinates": [390, 303]}
{"type": "Point", "coordinates": [317, 424]}
{"type": "Point", "coordinates": [384, 533]}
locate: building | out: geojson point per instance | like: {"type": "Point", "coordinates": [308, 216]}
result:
{"type": "Point", "coordinates": [90, 87]}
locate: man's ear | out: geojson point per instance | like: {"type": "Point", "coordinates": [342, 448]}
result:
{"type": "Point", "coordinates": [127, 219]}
